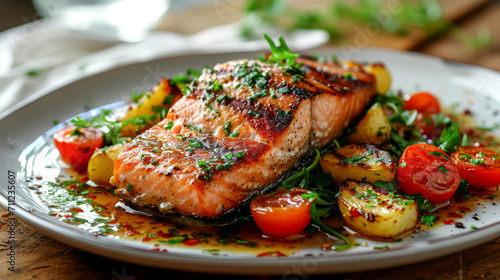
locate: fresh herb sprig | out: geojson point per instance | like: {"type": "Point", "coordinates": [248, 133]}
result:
{"type": "Point", "coordinates": [323, 200]}
{"type": "Point", "coordinates": [282, 52]}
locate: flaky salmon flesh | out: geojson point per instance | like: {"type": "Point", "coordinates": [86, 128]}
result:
{"type": "Point", "coordinates": [240, 126]}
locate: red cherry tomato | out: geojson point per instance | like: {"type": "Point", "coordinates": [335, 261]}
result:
{"type": "Point", "coordinates": [77, 148]}
{"type": "Point", "coordinates": [423, 102]}
{"type": "Point", "coordinates": [282, 213]}
{"type": "Point", "coordinates": [480, 166]}
{"type": "Point", "coordinates": [427, 170]}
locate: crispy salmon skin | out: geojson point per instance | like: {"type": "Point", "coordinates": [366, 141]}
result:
{"type": "Point", "coordinates": [240, 126]}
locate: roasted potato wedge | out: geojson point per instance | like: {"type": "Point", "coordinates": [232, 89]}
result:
{"type": "Point", "coordinates": [382, 76]}
{"type": "Point", "coordinates": [102, 163]}
{"type": "Point", "coordinates": [374, 212]}
{"type": "Point", "coordinates": [163, 95]}
{"type": "Point", "coordinates": [358, 162]}
{"type": "Point", "coordinates": [374, 128]}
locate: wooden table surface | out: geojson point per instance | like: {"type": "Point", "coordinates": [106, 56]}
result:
{"type": "Point", "coordinates": [40, 257]}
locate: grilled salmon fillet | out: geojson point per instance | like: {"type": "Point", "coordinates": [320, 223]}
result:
{"type": "Point", "coordinates": [240, 126]}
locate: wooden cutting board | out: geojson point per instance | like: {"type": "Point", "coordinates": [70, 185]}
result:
{"type": "Point", "coordinates": [228, 11]}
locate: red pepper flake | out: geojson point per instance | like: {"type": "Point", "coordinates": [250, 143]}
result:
{"type": "Point", "coordinates": [271, 254]}
{"type": "Point", "coordinates": [262, 254]}
{"type": "Point", "coordinates": [158, 250]}
{"type": "Point", "coordinates": [146, 239]}
{"type": "Point", "coordinates": [165, 235]}
{"type": "Point", "coordinates": [190, 242]}
{"type": "Point", "coordinates": [354, 213]}
{"type": "Point", "coordinates": [67, 215]}
{"type": "Point", "coordinates": [130, 230]}
{"type": "Point", "coordinates": [464, 209]}
{"type": "Point", "coordinates": [449, 222]}
{"type": "Point", "coordinates": [76, 209]}
{"type": "Point", "coordinates": [454, 215]}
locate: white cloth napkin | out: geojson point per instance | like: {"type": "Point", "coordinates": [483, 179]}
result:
{"type": "Point", "coordinates": [41, 55]}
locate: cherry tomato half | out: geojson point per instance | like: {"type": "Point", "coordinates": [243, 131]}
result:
{"type": "Point", "coordinates": [480, 166]}
{"type": "Point", "coordinates": [423, 102]}
{"type": "Point", "coordinates": [77, 148]}
{"type": "Point", "coordinates": [282, 213]}
{"type": "Point", "coordinates": [426, 169]}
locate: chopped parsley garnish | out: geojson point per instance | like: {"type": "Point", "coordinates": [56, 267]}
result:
{"type": "Point", "coordinates": [477, 161]}
{"type": "Point", "coordinates": [253, 113]}
{"type": "Point", "coordinates": [195, 143]}
{"type": "Point", "coordinates": [181, 137]}
{"type": "Point", "coordinates": [168, 100]}
{"type": "Point", "coordinates": [227, 127]}
{"type": "Point", "coordinates": [195, 128]}
{"type": "Point", "coordinates": [353, 160]}
{"type": "Point", "coordinates": [169, 125]}
{"type": "Point", "coordinates": [34, 72]}
{"type": "Point", "coordinates": [429, 220]}
{"type": "Point", "coordinates": [438, 154]}
{"type": "Point", "coordinates": [202, 164]}
{"type": "Point", "coordinates": [129, 187]}
{"type": "Point", "coordinates": [258, 94]}
{"type": "Point", "coordinates": [464, 155]}
{"type": "Point", "coordinates": [136, 96]}
{"type": "Point", "coordinates": [240, 154]}
{"type": "Point", "coordinates": [187, 78]}
{"type": "Point", "coordinates": [443, 169]}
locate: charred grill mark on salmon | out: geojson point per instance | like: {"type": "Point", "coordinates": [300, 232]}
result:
{"type": "Point", "coordinates": [239, 128]}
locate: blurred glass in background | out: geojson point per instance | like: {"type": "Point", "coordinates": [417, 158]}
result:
{"type": "Point", "coordinates": [126, 20]}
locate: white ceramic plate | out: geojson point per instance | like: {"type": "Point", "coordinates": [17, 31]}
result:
{"type": "Point", "coordinates": [21, 146]}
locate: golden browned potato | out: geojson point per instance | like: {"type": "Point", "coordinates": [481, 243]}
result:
{"type": "Point", "coordinates": [163, 95]}
{"type": "Point", "coordinates": [374, 128]}
{"type": "Point", "coordinates": [382, 76]}
{"type": "Point", "coordinates": [358, 162]}
{"type": "Point", "coordinates": [102, 163]}
{"type": "Point", "coordinates": [374, 212]}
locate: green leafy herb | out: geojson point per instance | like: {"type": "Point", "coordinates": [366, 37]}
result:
{"type": "Point", "coordinates": [443, 169]}
{"type": "Point", "coordinates": [463, 189]}
{"type": "Point", "coordinates": [169, 125]}
{"type": "Point", "coordinates": [316, 219]}
{"type": "Point", "coordinates": [281, 53]}
{"type": "Point", "coordinates": [477, 161]}
{"type": "Point", "coordinates": [227, 127]}
{"type": "Point", "coordinates": [34, 72]}
{"type": "Point", "coordinates": [136, 96]}
{"type": "Point", "coordinates": [449, 139]}
{"type": "Point", "coordinates": [195, 143]}
{"type": "Point", "coordinates": [240, 154]}
{"type": "Point", "coordinates": [429, 220]}
{"type": "Point", "coordinates": [353, 160]}
{"type": "Point", "coordinates": [438, 154]}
